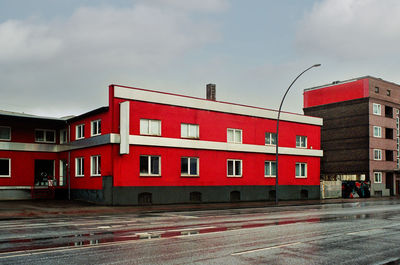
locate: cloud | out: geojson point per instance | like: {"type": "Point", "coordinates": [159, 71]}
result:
{"type": "Point", "coordinates": [351, 29]}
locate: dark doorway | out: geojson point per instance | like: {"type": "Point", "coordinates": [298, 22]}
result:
{"type": "Point", "coordinates": [271, 195]}
{"type": "Point", "coordinates": [389, 182]}
{"type": "Point", "coordinates": [44, 171]}
{"type": "Point", "coordinates": [145, 198]}
{"type": "Point", "coordinates": [195, 196]}
{"type": "Point", "coordinates": [304, 194]}
{"type": "Point", "coordinates": [235, 196]}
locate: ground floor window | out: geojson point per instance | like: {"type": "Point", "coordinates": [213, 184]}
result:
{"type": "Point", "coordinates": [5, 167]}
{"type": "Point", "coordinates": [95, 166]}
{"type": "Point", "coordinates": [234, 168]}
{"type": "Point", "coordinates": [189, 166]}
{"type": "Point", "coordinates": [378, 177]}
{"type": "Point", "coordinates": [79, 167]}
{"type": "Point", "coordinates": [150, 165]}
{"type": "Point", "coordinates": [301, 170]}
{"type": "Point", "coordinates": [270, 169]}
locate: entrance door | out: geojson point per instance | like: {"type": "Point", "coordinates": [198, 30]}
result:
{"type": "Point", "coordinates": [389, 182]}
{"type": "Point", "coordinates": [44, 170]}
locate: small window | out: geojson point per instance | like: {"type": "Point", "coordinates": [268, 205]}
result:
{"type": "Point", "coordinates": [388, 112]}
{"type": "Point", "coordinates": [376, 89]}
{"type": "Point", "coordinates": [80, 131]}
{"type": "Point", "coordinates": [378, 177]}
{"type": "Point", "coordinates": [95, 166]}
{"type": "Point", "coordinates": [189, 130]}
{"type": "Point", "coordinates": [388, 133]}
{"type": "Point", "coordinates": [377, 131]}
{"type": "Point", "coordinates": [63, 136]}
{"type": "Point", "coordinates": [389, 155]}
{"type": "Point", "coordinates": [5, 167]}
{"type": "Point", "coordinates": [377, 154]}
{"type": "Point", "coordinates": [388, 92]}
{"type": "Point", "coordinates": [234, 136]}
{"type": "Point", "coordinates": [376, 109]}
{"type": "Point", "coordinates": [270, 138]}
{"type": "Point", "coordinates": [301, 170]}
{"type": "Point", "coordinates": [150, 165]}
{"type": "Point", "coordinates": [95, 127]}
{"type": "Point", "coordinates": [150, 127]}
{"type": "Point", "coordinates": [270, 169]}
{"type": "Point", "coordinates": [189, 166]}
{"type": "Point", "coordinates": [301, 141]}
{"type": "Point", "coordinates": [45, 136]}
{"type": "Point", "coordinates": [79, 167]}
{"type": "Point", "coordinates": [234, 168]}
{"type": "Point", "coordinates": [5, 133]}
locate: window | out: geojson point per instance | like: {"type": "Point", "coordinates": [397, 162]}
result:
{"type": "Point", "coordinates": [79, 167]}
{"type": "Point", "coordinates": [189, 130]}
{"type": "Point", "coordinates": [270, 138]}
{"type": "Point", "coordinates": [95, 166]}
{"type": "Point", "coordinates": [378, 177]}
{"type": "Point", "coordinates": [389, 155]}
{"type": "Point", "coordinates": [45, 136]}
{"type": "Point", "coordinates": [234, 136]}
{"type": "Point", "coordinates": [388, 92]}
{"type": "Point", "coordinates": [376, 109]}
{"type": "Point", "coordinates": [301, 141]}
{"type": "Point", "coordinates": [189, 166]}
{"type": "Point", "coordinates": [150, 127]}
{"type": "Point", "coordinates": [150, 165]}
{"type": "Point", "coordinates": [388, 112]}
{"type": "Point", "coordinates": [377, 154]}
{"type": "Point", "coordinates": [301, 170]}
{"type": "Point", "coordinates": [376, 89]}
{"type": "Point", "coordinates": [63, 136]}
{"type": "Point", "coordinates": [377, 131]}
{"type": "Point", "coordinates": [63, 172]}
{"type": "Point", "coordinates": [270, 169]}
{"type": "Point", "coordinates": [234, 168]}
{"type": "Point", "coordinates": [5, 133]}
{"type": "Point", "coordinates": [5, 167]}
{"type": "Point", "coordinates": [80, 131]}
{"type": "Point", "coordinates": [95, 127]}
{"type": "Point", "coordinates": [389, 133]}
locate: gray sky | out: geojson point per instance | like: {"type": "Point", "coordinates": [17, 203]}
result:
{"type": "Point", "coordinates": [58, 57]}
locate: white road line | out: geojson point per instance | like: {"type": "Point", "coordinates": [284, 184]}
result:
{"type": "Point", "coordinates": [262, 249]}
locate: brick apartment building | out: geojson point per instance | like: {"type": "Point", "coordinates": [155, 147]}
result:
{"type": "Point", "coordinates": [360, 135]}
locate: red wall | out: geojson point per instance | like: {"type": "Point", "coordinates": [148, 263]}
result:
{"type": "Point", "coordinates": [336, 93]}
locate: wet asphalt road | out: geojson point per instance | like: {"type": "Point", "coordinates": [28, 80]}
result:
{"type": "Point", "coordinates": [349, 233]}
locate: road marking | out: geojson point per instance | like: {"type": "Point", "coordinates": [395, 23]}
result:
{"type": "Point", "coordinates": [262, 249]}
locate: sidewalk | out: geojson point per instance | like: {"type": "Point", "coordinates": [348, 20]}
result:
{"type": "Point", "coordinates": [63, 208]}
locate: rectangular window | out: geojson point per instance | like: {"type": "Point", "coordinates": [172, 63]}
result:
{"type": "Point", "coordinates": [270, 169]}
{"type": "Point", "coordinates": [234, 168]}
{"type": "Point", "coordinates": [79, 167]}
{"type": "Point", "coordinates": [301, 170]}
{"type": "Point", "coordinates": [80, 131]}
{"type": "Point", "coordinates": [189, 130]}
{"type": "Point", "coordinates": [377, 154]}
{"type": "Point", "coordinates": [150, 127]}
{"type": "Point", "coordinates": [301, 141]}
{"type": "Point", "coordinates": [189, 166]}
{"type": "Point", "coordinates": [389, 112]}
{"type": "Point", "coordinates": [376, 89]}
{"type": "Point", "coordinates": [63, 172]}
{"type": "Point", "coordinates": [388, 92]}
{"type": "Point", "coordinates": [234, 136]}
{"type": "Point", "coordinates": [95, 165]}
{"type": "Point", "coordinates": [5, 167]}
{"type": "Point", "coordinates": [5, 133]}
{"type": "Point", "coordinates": [95, 127]}
{"type": "Point", "coordinates": [150, 165]}
{"type": "Point", "coordinates": [45, 136]}
{"type": "Point", "coordinates": [376, 109]}
{"type": "Point", "coordinates": [63, 136]}
{"type": "Point", "coordinates": [377, 131]}
{"type": "Point", "coordinates": [270, 138]}
{"type": "Point", "coordinates": [378, 177]}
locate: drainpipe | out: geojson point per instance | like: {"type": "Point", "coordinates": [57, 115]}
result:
{"type": "Point", "coordinates": [69, 164]}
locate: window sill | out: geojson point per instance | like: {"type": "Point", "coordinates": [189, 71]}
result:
{"type": "Point", "coordinates": [150, 176]}
{"type": "Point", "coordinates": [95, 135]}
{"type": "Point", "coordinates": [301, 147]}
{"type": "Point", "coordinates": [190, 176]}
{"type": "Point", "coordinates": [231, 176]}
{"type": "Point", "coordinates": [190, 138]}
{"type": "Point", "coordinates": [5, 176]}
{"type": "Point", "coordinates": [271, 177]}
{"type": "Point", "coordinates": [79, 138]}
{"type": "Point", "coordinates": [159, 135]}
{"type": "Point", "coordinates": [93, 176]}
{"type": "Point", "coordinates": [79, 176]}
{"type": "Point", "coordinates": [301, 177]}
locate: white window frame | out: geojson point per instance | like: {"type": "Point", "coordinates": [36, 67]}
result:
{"type": "Point", "coordinates": [9, 129]}
{"type": "Point", "coordinates": [149, 123]}
{"type": "Point", "coordinates": [234, 131]}
{"type": "Point", "coordinates": [302, 141]}
{"type": "Point", "coordinates": [45, 131]}
{"type": "Point", "coordinates": [376, 109]}
{"type": "Point", "coordinates": [80, 131]}
{"type": "Point", "coordinates": [9, 168]}
{"type": "Point", "coordinates": [149, 174]}
{"type": "Point", "coordinates": [379, 131]}
{"type": "Point", "coordinates": [96, 123]}
{"type": "Point", "coordinates": [377, 154]}
{"type": "Point", "coordinates": [95, 166]}
{"type": "Point", "coordinates": [186, 130]}
{"type": "Point", "coordinates": [269, 174]}
{"type": "Point", "coordinates": [377, 177]}
{"type": "Point", "coordinates": [271, 138]}
{"type": "Point", "coordinates": [234, 168]}
{"type": "Point", "coordinates": [79, 164]}
{"type": "Point", "coordinates": [302, 174]}
{"type": "Point", "coordinates": [191, 174]}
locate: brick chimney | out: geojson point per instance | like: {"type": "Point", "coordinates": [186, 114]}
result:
{"type": "Point", "coordinates": [211, 91]}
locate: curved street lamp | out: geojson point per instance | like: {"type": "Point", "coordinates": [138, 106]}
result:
{"type": "Point", "coordinates": [277, 129]}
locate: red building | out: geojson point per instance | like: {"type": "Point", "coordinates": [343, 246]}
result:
{"type": "Point", "coordinates": [154, 147]}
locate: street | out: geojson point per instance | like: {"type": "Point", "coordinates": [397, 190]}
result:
{"type": "Point", "coordinates": [343, 233]}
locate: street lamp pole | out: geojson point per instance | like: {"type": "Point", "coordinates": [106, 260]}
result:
{"type": "Point", "coordinates": [277, 130]}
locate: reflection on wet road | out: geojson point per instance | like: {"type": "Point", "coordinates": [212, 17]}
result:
{"type": "Point", "coordinates": [361, 233]}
